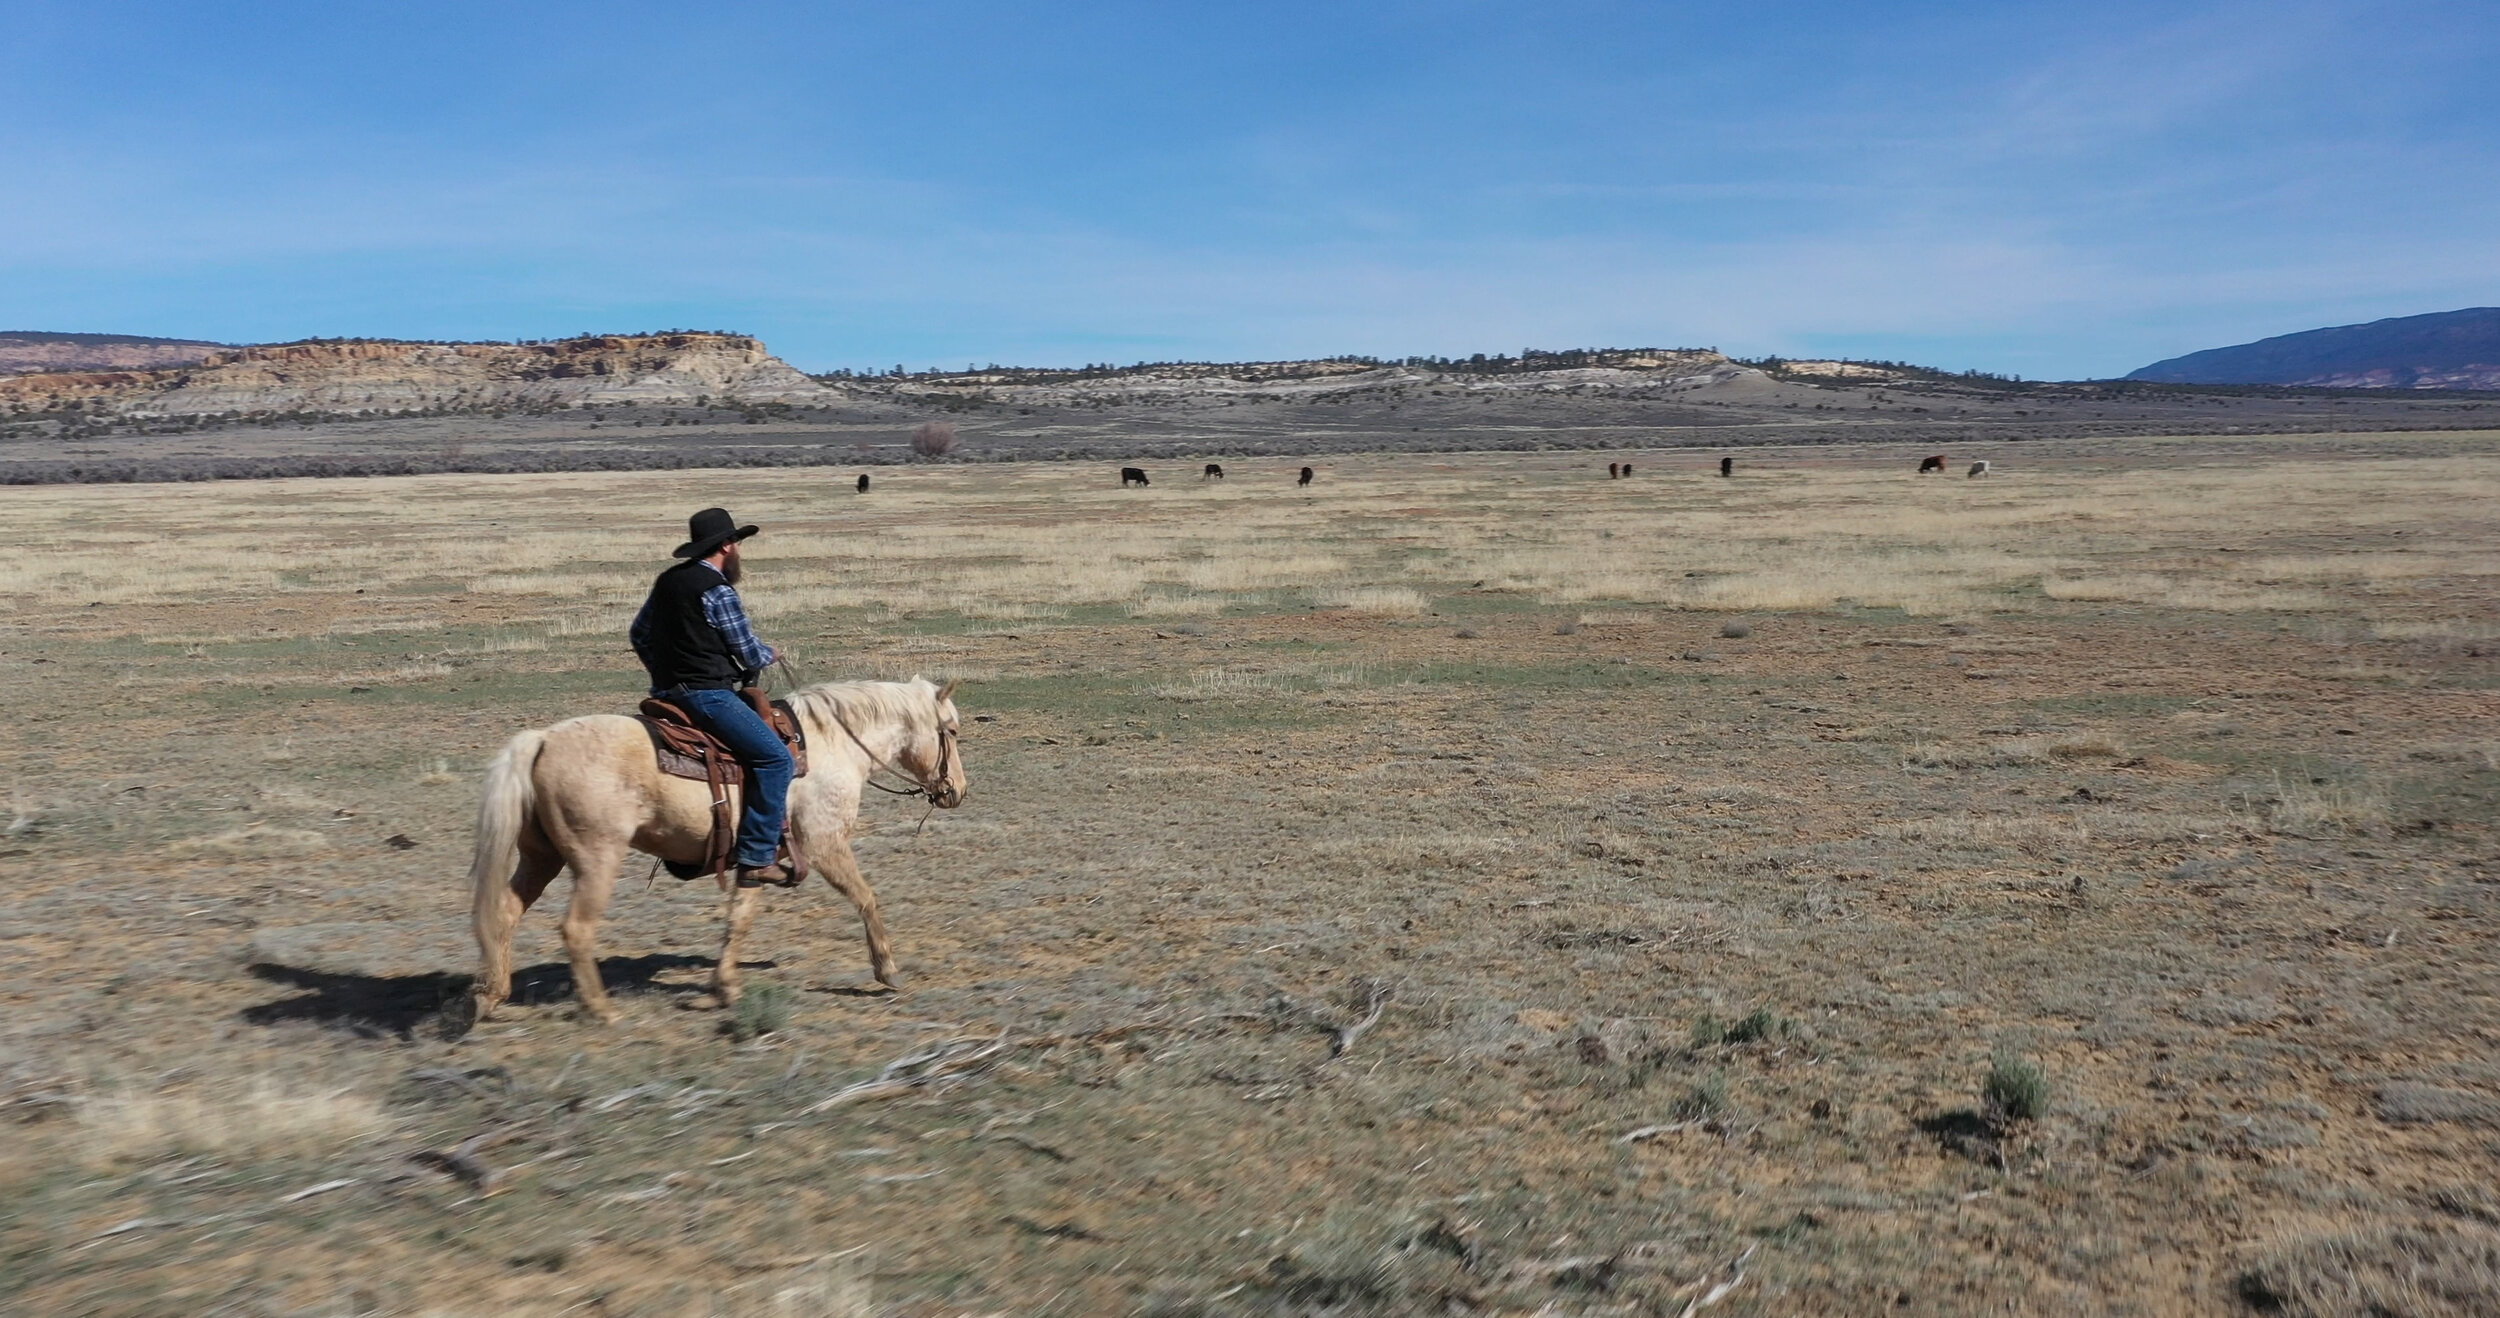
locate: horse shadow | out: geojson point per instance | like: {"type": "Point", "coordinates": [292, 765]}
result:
{"type": "Point", "coordinates": [395, 1006]}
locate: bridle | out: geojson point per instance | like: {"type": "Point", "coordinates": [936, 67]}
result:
{"type": "Point", "coordinates": [933, 789]}
{"type": "Point", "coordinates": [936, 794]}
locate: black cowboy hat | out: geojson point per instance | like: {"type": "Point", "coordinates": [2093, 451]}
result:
{"type": "Point", "coordinates": [708, 530]}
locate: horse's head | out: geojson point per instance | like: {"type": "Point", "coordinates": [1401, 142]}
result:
{"type": "Point", "coordinates": [938, 760]}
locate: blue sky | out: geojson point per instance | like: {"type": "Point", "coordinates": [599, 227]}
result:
{"type": "Point", "coordinates": [2053, 190]}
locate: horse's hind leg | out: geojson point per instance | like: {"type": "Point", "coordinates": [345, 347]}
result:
{"type": "Point", "coordinates": [841, 869]}
{"type": "Point", "coordinates": [594, 879]}
{"type": "Point", "coordinates": [499, 915]}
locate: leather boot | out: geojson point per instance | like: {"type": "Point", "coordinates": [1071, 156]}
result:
{"type": "Point", "coordinates": [779, 874]}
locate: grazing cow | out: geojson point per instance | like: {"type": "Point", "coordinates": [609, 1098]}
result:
{"type": "Point", "coordinates": [1214, 471]}
{"type": "Point", "coordinates": [1612, 472]}
{"type": "Point", "coordinates": [1934, 464]}
{"type": "Point", "coordinates": [1979, 468]}
{"type": "Point", "coordinates": [1306, 477]}
{"type": "Point", "coordinates": [1627, 471]}
{"type": "Point", "coordinates": [1727, 466]}
{"type": "Point", "coordinates": [1133, 476]}
{"type": "Point", "coordinates": [863, 482]}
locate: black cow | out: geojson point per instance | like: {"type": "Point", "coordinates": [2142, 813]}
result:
{"type": "Point", "coordinates": [863, 482]}
{"type": "Point", "coordinates": [1133, 476]}
{"type": "Point", "coordinates": [1306, 477]}
{"type": "Point", "coordinates": [1627, 471]}
{"type": "Point", "coordinates": [1934, 464]}
{"type": "Point", "coordinates": [1214, 472]}
{"type": "Point", "coordinates": [1727, 466]}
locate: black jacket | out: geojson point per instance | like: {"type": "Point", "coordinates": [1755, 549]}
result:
{"type": "Point", "coordinates": [677, 643]}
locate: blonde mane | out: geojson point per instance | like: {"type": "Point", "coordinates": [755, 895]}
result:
{"type": "Point", "coordinates": [864, 704]}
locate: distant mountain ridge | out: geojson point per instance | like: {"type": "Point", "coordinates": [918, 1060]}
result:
{"type": "Point", "coordinates": [2442, 350]}
{"type": "Point", "coordinates": [41, 350]}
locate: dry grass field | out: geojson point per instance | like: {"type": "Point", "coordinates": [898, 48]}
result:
{"type": "Point", "coordinates": [1468, 885]}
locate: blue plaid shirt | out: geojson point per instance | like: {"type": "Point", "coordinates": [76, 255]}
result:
{"type": "Point", "coordinates": [727, 616]}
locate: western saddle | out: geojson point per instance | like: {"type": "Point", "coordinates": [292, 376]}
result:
{"type": "Point", "coordinates": [686, 750]}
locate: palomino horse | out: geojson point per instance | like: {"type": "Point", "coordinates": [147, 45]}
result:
{"type": "Point", "coordinates": [588, 790]}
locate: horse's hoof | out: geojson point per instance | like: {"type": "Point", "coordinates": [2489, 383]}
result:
{"type": "Point", "coordinates": [706, 1002]}
{"type": "Point", "coordinates": [597, 1015]}
{"type": "Point", "coordinates": [891, 981]}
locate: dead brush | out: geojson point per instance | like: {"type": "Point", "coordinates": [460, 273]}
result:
{"type": "Point", "coordinates": [762, 1010]}
{"type": "Point", "coordinates": [2316, 806]}
{"type": "Point", "coordinates": [1704, 1099]}
{"type": "Point", "coordinates": [2432, 1270]}
{"type": "Point", "coordinates": [1755, 1026]}
{"type": "Point", "coordinates": [833, 1287]}
{"type": "Point", "coordinates": [1344, 1264]}
{"type": "Point", "coordinates": [2015, 752]}
{"type": "Point", "coordinates": [933, 439]}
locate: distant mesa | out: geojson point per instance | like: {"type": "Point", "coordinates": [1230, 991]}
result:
{"type": "Point", "coordinates": [1311, 380]}
{"type": "Point", "coordinates": [24, 351]}
{"type": "Point", "coordinates": [2443, 350]}
{"type": "Point", "coordinates": [382, 376]}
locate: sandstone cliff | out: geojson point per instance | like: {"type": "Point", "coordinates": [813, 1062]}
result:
{"type": "Point", "coordinates": [40, 352]}
{"type": "Point", "coordinates": [380, 376]}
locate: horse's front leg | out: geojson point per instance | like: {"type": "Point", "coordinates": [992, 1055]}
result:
{"type": "Point", "coordinates": [832, 856]}
{"type": "Point", "coordinates": [741, 907]}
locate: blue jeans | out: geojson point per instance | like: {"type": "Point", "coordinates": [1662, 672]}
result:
{"type": "Point", "coordinates": [752, 740]}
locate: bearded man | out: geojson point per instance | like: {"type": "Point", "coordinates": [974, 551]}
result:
{"type": "Point", "coordinates": [692, 637]}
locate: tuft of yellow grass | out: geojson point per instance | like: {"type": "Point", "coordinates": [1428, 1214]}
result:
{"type": "Point", "coordinates": [2033, 833]}
{"type": "Point", "coordinates": [2218, 596]}
{"type": "Point", "coordinates": [2014, 751]}
{"type": "Point", "coordinates": [1404, 852]}
{"type": "Point", "coordinates": [261, 1118]}
{"type": "Point", "coordinates": [2436, 630]}
{"type": "Point", "coordinates": [828, 1288]}
{"type": "Point", "coordinates": [1216, 684]}
{"type": "Point", "coordinates": [1379, 601]}
{"type": "Point", "coordinates": [258, 840]}
{"type": "Point", "coordinates": [1176, 606]}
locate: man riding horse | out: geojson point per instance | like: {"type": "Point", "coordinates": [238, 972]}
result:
{"type": "Point", "coordinates": [692, 637]}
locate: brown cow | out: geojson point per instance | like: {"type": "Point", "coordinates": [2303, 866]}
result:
{"type": "Point", "coordinates": [1934, 464]}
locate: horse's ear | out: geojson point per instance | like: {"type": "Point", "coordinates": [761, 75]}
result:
{"type": "Point", "coordinates": [947, 692]}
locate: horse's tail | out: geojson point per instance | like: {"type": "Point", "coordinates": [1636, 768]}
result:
{"type": "Point", "coordinates": [502, 812]}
